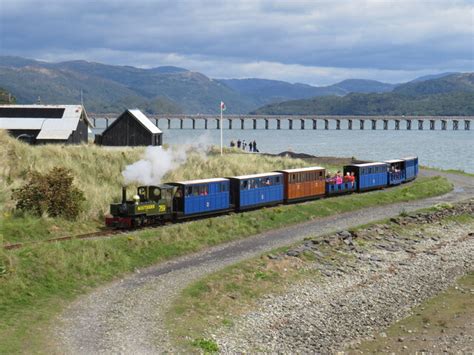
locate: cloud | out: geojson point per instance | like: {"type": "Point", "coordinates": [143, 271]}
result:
{"type": "Point", "coordinates": [281, 39]}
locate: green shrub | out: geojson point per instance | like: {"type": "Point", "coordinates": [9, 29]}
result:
{"type": "Point", "coordinates": [208, 345]}
{"type": "Point", "coordinates": [52, 193]}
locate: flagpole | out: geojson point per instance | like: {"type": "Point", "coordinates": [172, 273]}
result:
{"type": "Point", "coordinates": [221, 129]}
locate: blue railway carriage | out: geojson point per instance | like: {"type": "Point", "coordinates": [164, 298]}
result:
{"type": "Point", "coordinates": [200, 197]}
{"type": "Point", "coordinates": [251, 191]}
{"type": "Point", "coordinates": [369, 176]}
{"type": "Point", "coordinates": [395, 171]}
{"type": "Point", "coordinates": [411, 168]}
{"type": "Point", "coordinates": [333, 189]}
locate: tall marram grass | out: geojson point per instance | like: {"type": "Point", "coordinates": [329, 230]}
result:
{"type": "Point", "coordinates": [97, 172]}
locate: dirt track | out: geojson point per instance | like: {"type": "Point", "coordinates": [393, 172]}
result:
{"type": "Point", "coordinates": [127, 316]}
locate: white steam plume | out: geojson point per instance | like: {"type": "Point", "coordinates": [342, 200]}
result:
{"type": "Point", "coordinates": [157, 162]}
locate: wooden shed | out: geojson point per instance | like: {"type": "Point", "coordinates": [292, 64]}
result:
{"type": "Point", "coordinates": [131, 128]}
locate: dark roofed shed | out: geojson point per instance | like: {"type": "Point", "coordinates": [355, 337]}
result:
{"type": "Point", "coordinates": [131, 128]}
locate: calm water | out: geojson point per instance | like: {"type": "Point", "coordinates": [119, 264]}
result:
{"type": "Point", "coordinates": [442, 149]}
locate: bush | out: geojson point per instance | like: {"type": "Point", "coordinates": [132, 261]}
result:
{"type": "Point", "coordinates": [52, 193]}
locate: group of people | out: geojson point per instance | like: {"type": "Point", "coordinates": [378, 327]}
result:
{"type": "Point", "coordinates": [252, 146]}
{"type": "Point", "coordinates": [338, 178]}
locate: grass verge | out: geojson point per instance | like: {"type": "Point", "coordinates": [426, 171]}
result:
{"type": "Point", "coordinates": [36, 280]}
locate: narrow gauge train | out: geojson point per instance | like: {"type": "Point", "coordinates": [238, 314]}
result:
{"type": "Point", "coordinates": [187, 199]}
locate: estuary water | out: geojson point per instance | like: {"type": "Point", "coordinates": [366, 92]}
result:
{"type": "Point", "coordinates": [440, 149]}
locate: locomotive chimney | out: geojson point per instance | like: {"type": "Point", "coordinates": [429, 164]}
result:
{"type": "Point", "coordinates": [124, 194]}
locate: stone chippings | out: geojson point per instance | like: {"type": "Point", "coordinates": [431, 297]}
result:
{"type": "Point", "coordinates": [361, 295]}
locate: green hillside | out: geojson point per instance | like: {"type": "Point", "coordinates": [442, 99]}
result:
{"type": "Point", "coordinates": [450, 95]}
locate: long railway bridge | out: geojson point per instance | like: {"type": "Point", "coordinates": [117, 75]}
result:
{"type": "Point", "coordinates": [205, 121]}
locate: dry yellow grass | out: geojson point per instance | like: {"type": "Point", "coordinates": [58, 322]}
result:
{"type": "Point", "coordinates": [97, 170]}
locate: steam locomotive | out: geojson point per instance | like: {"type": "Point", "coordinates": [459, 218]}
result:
{"type": "Point", "coordinates": [175, 201]}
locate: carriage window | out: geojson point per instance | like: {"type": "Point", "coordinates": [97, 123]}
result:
{"type": "Point", "coordinates": [203, 190]}
{"type": "Point", "coordinates": [277, 179]}
{"type": "Point", "coordinates": [189, 190]}
{"type": "Point", "coordinates": [293, 178]}
{"type": "Point", "coordinates": [245, 185]}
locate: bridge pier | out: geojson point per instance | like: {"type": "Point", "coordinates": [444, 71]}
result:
{"type": "Point", "coordinates": [467, 125]}
{"type": "Point", "coordinates": [444, 125]}
{"type": "Point", "coordinates": [374, 124]}
{"type": "Point", "coordinates": [385, 124]}
{"type": "Point", "coordinates": [218, 123]}
{"type": "Point", "coordinates": [290, 124]}
{"type": "Point", "coordinates": [205, 123]}
{"type": "Point", "coordinates": [230, 123]}
{"type": "Point", "coordinates": [408, 125]}
{"type": "Point", "coordinates": [278, 124]}
{"type": "Point", "coordinates": [338, 124]}
{"type": "Point", "coordinates": [266, 123]}
{"type": "Point", "coordinates": [420, 125]}
{"type": "Point", "coordinates": [397, 125]}
{"type": "Point", "coordinates": [302, 123]}
{"type": "Point", "coordinates": [349, 124]}
{"type": "Point", "coordinates": [315, 124]}
{"type": "Point", "coordinates": [242, 123]}
{"type": "Point", "coordinates": [254, 123]}
{"type": "Point", "coordinates": [432, 125]}
{"type": "Point", "coordinates": [455, 125]}
{"type": "Point", "coordinates": [181, 124]}
{"type": "Point", "coordinates": [169, 123]}
{"type": "Point", "coordinates": [194, 123]}
{"type": "Point", "coordinates": [326, 124]}
{"type": "Point", "coordinates": [361, 122]}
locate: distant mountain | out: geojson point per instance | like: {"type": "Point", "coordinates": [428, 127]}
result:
{"type": "Point", "coordinates": [432, 76]}
{"type": "Point", "coordinates": [449, 95]}
{"type": "Point", "coordinates": [264, 91]}
{"type": "Point", "coordinates": [169, 89]}
{"type": "Point", "coordinates": [107, 88]}
{"type": "Point", "coordinates": [363, 86]}
{"type": "Point", "coordinates": [463, 82]}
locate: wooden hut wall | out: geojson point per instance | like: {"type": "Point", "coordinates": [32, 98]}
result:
{"type": "Point", "coordinates": [127, 131]}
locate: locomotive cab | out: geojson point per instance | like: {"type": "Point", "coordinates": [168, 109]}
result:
{"type": "Point", "coordinates": [150, 205]}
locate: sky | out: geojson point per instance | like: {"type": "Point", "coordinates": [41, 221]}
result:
{"type": "Point", "coordinates": [313, 42]}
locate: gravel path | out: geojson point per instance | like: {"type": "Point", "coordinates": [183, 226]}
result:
{"type": "Point", "coordinates": [126, 316]}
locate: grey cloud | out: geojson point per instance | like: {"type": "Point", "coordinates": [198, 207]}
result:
{"type": "Point", "coordinates": [404, 35]}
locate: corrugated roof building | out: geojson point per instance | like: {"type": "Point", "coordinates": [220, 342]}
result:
{"type": "Point", "coordinates": [46, 123]}
{"type": "Point", "coordinates": [131, 128]}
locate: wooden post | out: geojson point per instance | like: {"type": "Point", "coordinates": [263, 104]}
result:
{"type": "Point", "coordinates": [349, 124]}
{"type": "Point", "coordinates": [290, 123]}
{"type": "Point", "coordinates": [278, 123]}
{"type": "Point", "coordinates": [266, 123]}
{"type": "Point", "coordinates": [338, 124]}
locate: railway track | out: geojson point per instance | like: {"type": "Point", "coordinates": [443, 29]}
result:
{"type": "Point", "coordinates": [99, 234]}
